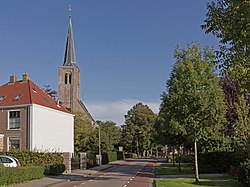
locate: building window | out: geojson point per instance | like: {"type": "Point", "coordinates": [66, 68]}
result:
{"type": "Point", "coordinates": [66, 78]}
{"type": "Point", "coordinates": [69, 78]}
{"type": "Point", "coordinates": [14, 143]}
{"type": "Point", "coordinates": [14, 119]}
{"type": "Point", "coordinates": [2, 98]}
{"type": "Point", "coordinates": [18, 97]}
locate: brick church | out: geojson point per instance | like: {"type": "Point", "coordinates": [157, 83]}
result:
{"type": "Point", "coordinates": [69, 79]}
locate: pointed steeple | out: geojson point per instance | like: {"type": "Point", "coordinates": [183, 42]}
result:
{"type": "Point", "coordinates": [70, 58]}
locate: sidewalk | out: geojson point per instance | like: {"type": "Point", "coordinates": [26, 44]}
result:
{"type": "Point", "coordinates": [74, 175]}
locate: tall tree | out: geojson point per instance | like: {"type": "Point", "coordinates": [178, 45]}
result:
{"type": "Point", "coordinates": [193, 104]}
{"type": "Point", "coordinates": [82, 130]}
{"type": "Point", "coordinates": [229, 21]}
{"type": "Point", "coordinates": [110, 135]}
{"type": "Point", "coordinates": [138, 127]}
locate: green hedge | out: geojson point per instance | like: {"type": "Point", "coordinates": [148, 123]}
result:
{"type": "Point", "coordinates": [130, 155]}
{"type": "Point", "coordinates": [20, 174]}
{"type": "Point", "coordinates": [244, 173]}
{"type": "Point", "coordinates": [55, 169]}
{"type": "Point", "coordinates": [111, 156]}
{"type": "Point", "coordinates": [28, 158]}
{"type": "Point", "coordinates": [219, 162]}
{"type": "Point", "coordinates": [185, 159]}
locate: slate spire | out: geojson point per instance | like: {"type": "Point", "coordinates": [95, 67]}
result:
{"type": "Point", "coordinates": [70, 58]}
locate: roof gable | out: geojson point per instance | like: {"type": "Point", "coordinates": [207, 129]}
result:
{"type": "Point", "coordinates": [26, 92]}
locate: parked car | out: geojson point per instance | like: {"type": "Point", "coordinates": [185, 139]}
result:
{"type": "Point", "coordinates": [9, 161]}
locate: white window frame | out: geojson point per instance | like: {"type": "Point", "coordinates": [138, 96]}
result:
{"type": "Point", "coordinates": [17, 110]}
{"type": "Point", "coordinates": [8, 142]}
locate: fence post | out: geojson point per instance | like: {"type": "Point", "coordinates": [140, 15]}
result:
{"type": "Point", "coordinates": [67, 162]}
{"type": "Point", "coordinates": [83, 161]}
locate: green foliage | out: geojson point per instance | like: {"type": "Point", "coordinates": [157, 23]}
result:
{"type": "Point", "coordinates": [20, 174]}
{"type": "Point", "coordinates": [54, 169]}
{"type": "Point", "coordinates": [229, 21]}
{"type": "Point", "coordinates": [28, 158]}
{"type": "Point", "coordinates": [111, 156]}
{"type": "Point", "coordinates": [110, 136]}
{"type": "Point", "coordinates": [173, 170]}
{"type": "Point", "coordinates": [220, 162]}
{"type": "Point", "coordinates": [130, 155]}
{"type": "Point", "coordinates": [82, 130]}
{"type": "Point", "coordinates": [185, 159]}
{"type": "Point", "coordinates": [244, 173]}
{"type": "Point", "coordinates": [138, 128]}
{"type": "Point", "coordinates": [193, 105]}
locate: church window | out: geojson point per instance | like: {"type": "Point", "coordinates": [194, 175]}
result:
{"type": "Point", "coordinates": [66, 78]}
{"type": "Point", "coordinates": [69, 78]}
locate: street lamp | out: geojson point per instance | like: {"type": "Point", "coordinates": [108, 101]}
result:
{"type": "Point", "coordinates": [137, 143]}
{"type": "Point", "coordinates": [100, 154]}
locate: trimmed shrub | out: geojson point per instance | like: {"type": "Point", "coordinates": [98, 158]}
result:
{"type": "Point", "coordinates": [244, 173]}
{"type": "Point", "coordinates": [20, 174]}
{"type": "Point", "coordinates": [28, 158]}
{"type": "Point", "coordinates": [219, 162]}
{"type": "Point", "coordinates": [55, 169]}
{"type": "Point", "coordinates": [185, 159]}
{"type": "Point", "coordinates": [130, 155]}
{"type": "Point", "coordinates": [120, 155]}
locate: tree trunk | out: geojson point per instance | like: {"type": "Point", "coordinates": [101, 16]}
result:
{"type": "Point", "coordinates": [179, 154]}
{"type": "Point", "coordinates": [173, 157]}
{"type": "Point", "coordinates": [196, 162]}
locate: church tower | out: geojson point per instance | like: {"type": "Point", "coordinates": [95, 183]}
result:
{"type": "Point", "coordinates": [69, 79]}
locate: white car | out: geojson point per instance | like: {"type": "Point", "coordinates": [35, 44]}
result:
{"type": "Point", "coordinates": [9, 161]}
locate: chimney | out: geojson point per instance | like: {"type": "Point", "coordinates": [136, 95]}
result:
{"type": "Point", "coordinates": [13, 79]}
{"type": "Point", "coordinates": [26, 77]}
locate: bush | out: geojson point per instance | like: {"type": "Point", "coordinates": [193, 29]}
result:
{"type": "Point", "coordinates": [185, 159]}
{"type": "Point", "coordinates": [20, 174]}
{"type": "Point", "coordinates": [219, 162]}
{"type": "Point", "coordinates": [28, 158]}
{"type": "Point", "coordinates": [130, 155]}
{"type": "Point", "coordinates": [244, 173]}
{"type": "Point", "coordinates": [55, 169]}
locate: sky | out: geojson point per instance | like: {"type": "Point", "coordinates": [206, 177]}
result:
{"type": "Point", "coordinates": [124, 48]}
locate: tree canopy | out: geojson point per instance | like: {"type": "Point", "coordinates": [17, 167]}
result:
{"type": "Point", "coordinates": [137, 132]}
{"type": "Point", "coordinates": [229, 21]}
{"type": "Point", "coordinates": [193, 106]}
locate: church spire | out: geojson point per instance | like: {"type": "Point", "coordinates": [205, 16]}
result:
{"type": "Point", "coordinates": [70, 58]}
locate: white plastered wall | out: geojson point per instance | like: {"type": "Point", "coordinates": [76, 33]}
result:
{"type": "Point", "coordinates": [51, 130]}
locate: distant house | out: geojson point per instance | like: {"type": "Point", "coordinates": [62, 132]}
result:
{"type": "Point", "coordinates": [30, 119]}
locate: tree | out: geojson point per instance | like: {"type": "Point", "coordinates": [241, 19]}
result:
{"type": "Point", "coordinates": [137, 132]}
{"type": "Point", "coordinates": [52, 93]}
{"type": "Point", "coordinates": [229, 21]}
{"type": "Point", "coordinates": [110, 136]}
{"type": "Point", "coordinates": [193, 105]}
{"type": "Point", "coordinates": [82, 130]}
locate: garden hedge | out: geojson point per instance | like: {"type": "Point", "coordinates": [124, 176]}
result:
{"type": "Point", "coordinates": [20, 174]}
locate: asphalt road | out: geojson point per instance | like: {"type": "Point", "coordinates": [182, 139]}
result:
{"type": "Point", "coordinates": [129, 173]}
{"type": "Point", "coordinates": [132, 173]}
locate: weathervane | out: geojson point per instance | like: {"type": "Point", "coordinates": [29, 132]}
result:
{"type": "Point", "coordinates": [70, 9]}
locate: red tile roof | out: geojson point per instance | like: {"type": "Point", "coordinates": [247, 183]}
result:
{"type": "Point", "coordinates": [31, 94]}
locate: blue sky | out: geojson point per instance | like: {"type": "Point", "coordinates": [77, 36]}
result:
{"type": "Point", "coordinates": [124, 48]}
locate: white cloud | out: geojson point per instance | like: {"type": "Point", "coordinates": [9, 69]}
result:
{"type": "Point", "coordinates": [115, 110]}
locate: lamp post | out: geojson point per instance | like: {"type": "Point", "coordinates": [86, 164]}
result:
{"type": "Point", "coordinates": [137, 143]}
{"type": "Point", "coordinates": [100, 153]}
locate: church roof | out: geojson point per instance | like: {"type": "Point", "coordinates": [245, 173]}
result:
{"type": "Point", "coordinates": [24, 93]}
{"type": "Point", "coordinates": [70, 58]}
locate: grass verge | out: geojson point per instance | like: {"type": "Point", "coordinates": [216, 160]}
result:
{"type": "Point", "coordinates": [189, 182]}
{"type": "Point", "coordinates": [173, 170]}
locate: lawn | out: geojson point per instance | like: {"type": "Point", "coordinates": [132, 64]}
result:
{"type": "Point", "coordinates": [173, 170]}
{"type": "Point", "coordinates": [189, 182]}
